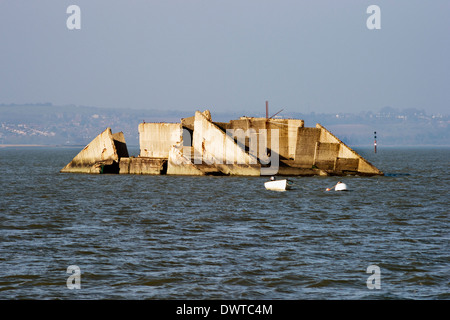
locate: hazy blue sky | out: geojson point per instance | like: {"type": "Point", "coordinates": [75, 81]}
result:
{"type": "Point", "coordinates": [227, 55]}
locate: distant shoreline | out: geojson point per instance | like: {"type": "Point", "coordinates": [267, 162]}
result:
{"type": "Point", "coordinates": [38, 145]}
{"type": "Point", "coordinates": [47, 146]}
{"type": "Point", "coordinates": [24, 145]}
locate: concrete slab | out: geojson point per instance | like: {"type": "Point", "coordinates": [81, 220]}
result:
{"type": "Point", "coordinates": [99, 153]}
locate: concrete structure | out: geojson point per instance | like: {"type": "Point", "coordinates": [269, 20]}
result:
{"type": "Point", "coordinates": [102, 155]}
{"type": "Point", "coordinates": [156, 139]}
{"type": "Point", "coordinates": [246, 146]}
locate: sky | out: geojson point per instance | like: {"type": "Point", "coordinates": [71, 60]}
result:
{"type": "Point", "coordinates": [227, 55]}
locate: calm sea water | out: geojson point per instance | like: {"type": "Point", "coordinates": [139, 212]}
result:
{"type": "Point", "coordinates": [167, 237]}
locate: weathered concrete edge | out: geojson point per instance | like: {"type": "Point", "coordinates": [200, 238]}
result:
{"type": "Point", "coordinates": [376, 170]}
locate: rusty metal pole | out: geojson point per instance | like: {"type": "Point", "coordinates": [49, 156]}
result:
{"type": "Point", "coordinates": [267, 109]}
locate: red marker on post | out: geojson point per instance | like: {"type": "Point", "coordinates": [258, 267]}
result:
{"type": "Point", "coordinates": [375, 142]}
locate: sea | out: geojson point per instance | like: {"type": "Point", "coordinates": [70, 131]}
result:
{"type": "Point", "coordinates": [137, 237]}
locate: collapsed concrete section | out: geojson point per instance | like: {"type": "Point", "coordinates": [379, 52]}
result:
{"type": "Point", "coordinates": [246, 146]}
{"type": "Point", "coordinates": [101, 155]}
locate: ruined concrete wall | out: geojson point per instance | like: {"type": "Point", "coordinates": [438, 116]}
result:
{"type": "Point", "coordinates": [293, 126]}
{"type": "Point", "coordinates": [222, 125]}
{"type": "Point", "coordinates": [140, 165]}
{"type": "Point", "coordinates": [214, 145]}
{"type": "Point", "coordinates": [346, 164]}
{"type": "Point", "coordinates": [234, 148]}
{"type": "Point", "coordinates": [288, 135]}
{"type": "Point", "coordinates": [188, 123]}
{"type": "Point", "coordinates": [156, 139]}
{"type": "Point", "coordinates": [326, 154]}
{"type": "Point", "coordinates": [248, 126]}
{"type": "Point", "coordinates": [179, 164]}
{"type": "Point", "coordinates": [287, 132]}
{"type": "Point", "coordinates": [283, 144]}
{"type": "Point", "coordinates": [219, 151]}
{"type": "Point", "coordinates": [241, 169]}
{"type": "Point", "coordinates": [319, 148]}
{"type": "Point", "coordinates": [346, 158]}
{"type": "Point", "coordinates": [120, 144]}
{"type": "Point", "coordinates": [100, 150]}
{"type": "Point", "coordinates": [306, 146]}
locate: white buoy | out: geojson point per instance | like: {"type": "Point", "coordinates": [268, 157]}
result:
{"type": "Point", "coordinates": [340, 186]}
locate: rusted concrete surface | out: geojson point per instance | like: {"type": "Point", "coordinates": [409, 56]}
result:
{"type": "Point", "coordinates": [143, 165]}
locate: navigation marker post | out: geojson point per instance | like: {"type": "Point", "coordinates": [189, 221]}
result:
{"type": "Point", "coordinates": [375, 141]}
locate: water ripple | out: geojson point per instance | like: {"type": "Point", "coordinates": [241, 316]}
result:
{"type": "Point", "coordinates": [163, 237]}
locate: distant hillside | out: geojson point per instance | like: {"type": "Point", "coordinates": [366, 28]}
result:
{"type": "Point", "coordinates": [46, 124]}
{"type": "Point", "coordinates": [72, 125]}
{"type": "Point", "coordinates": [410, 127]}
